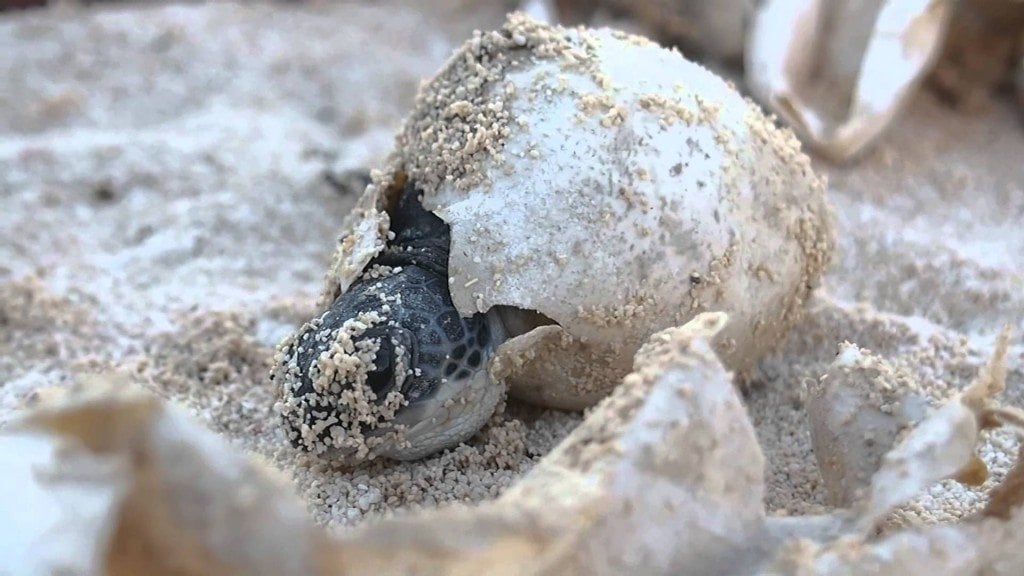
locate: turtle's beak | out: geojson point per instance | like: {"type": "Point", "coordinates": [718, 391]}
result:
{"type": "Point", "coordinates": [342, 379]}
{"type": "Point", "coordinates": [389, 350]}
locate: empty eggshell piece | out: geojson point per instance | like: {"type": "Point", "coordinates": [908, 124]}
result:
{"type": "Point", "coordinates": [602, 185]}
{"type": "Point", "coordinates": [670, 452]}
{"type": "Point", "coordinates": [857, 410]}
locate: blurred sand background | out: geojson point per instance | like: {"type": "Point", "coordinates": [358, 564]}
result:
{"type": "Point", "coordinates": [173, 180]}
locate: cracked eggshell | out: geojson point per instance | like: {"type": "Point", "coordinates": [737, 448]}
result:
{"type": "Point", "coordinates": [614, 187]}
{"type": "Point", "coordinates": [839, 72]}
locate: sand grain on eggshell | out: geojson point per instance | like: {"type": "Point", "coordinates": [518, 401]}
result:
{"type": "Point", "coordinates": [169, 217]}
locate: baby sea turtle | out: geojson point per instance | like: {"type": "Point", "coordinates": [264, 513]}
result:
{"type": "Point", "coordinates": [555, 197]}
{"type": "Point", "coordinates": [396, 332]}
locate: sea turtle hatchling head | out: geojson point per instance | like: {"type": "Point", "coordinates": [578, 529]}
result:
{"type": "Point", "coordinates": [555, 197]}
{"type": "Point", "coordinates": [393, 354]}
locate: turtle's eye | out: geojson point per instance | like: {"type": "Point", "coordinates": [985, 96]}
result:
{"type": "Point", "coordinates": [395, 355]}
{"type": "Point", "coordinates": [381, 379]}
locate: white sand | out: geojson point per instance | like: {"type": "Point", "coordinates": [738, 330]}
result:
{"type": "Point", "coordinates": [165, 213]}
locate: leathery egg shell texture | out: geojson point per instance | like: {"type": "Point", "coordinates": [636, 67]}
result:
{"type": "Point", "coordinates": [610, 185]}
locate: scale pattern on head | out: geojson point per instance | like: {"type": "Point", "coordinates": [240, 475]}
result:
{"type": "Point", "coordinates": [381, 353]}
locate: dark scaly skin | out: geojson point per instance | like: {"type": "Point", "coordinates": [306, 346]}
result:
{"type": "Point", "coordinates": [439, 343]}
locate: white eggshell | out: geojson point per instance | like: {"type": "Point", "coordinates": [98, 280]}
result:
{"type": "Point", "coordinates": [614, 187]}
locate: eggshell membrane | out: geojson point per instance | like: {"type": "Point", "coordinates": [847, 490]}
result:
{"type": "Point", "coordinates": [364, 235]}
{"type": "Point", "coordinates": [614, 187]}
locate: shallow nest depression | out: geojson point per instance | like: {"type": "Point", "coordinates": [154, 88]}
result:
{"type": "Point", "coordinates": [177, 230]}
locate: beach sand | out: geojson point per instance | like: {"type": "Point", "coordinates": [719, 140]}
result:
{"type": "Point", "coordinates": [173, 181]}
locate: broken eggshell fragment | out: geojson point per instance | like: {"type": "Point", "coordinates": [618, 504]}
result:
{"type": "Point", "coordinates": [857, 410]}
{"type": "Point", "coordinates": [839, 72]}
{"type": "Point", "coordinates": [880, 437]}
{"type": "Point", "coordinates": [665, 476]}
{"type": "Point", "coordinates": [942, 445]}
{"type": "Point", "coordinates": [600, 188]}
